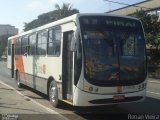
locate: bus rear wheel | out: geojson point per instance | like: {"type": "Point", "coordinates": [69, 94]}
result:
{"type": "Point", "coordinates": [53, 94]}
{"type": "Point", "coordinates": [19, 84]}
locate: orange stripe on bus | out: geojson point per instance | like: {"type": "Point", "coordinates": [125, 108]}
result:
{"type": "Point", "coordinates": [20, 67]}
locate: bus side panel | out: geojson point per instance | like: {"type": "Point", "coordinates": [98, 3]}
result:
{"type": "Point", "coordinates": [38, 69]}
{"type": "Point", "coordinates": [9, 62]}
{"type": "Point", "coordinates": [9, 54]}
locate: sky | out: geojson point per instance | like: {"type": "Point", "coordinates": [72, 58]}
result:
{"type": "Point", "coordinates": [17, 12]}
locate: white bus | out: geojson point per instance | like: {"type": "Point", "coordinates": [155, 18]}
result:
{"type": "Point", "coordinates": [84, 60]}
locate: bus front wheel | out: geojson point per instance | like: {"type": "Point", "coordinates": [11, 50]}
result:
{"type": "Point", "coordinates": [53, 94]}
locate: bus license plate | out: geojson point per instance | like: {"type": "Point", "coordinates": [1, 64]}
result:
{"type": "Point", "coordinates": [119, 97]}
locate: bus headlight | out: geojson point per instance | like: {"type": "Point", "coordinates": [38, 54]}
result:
{"type": "Point", "coordinates": [90, 89]}
{"type": "Point", "coordinates": [86, 88]}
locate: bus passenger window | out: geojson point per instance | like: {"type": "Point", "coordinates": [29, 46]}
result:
{"type": "Point", "coordinates": [42, 43]}
{"type": "Point", "coordinates": [32, 44]}
{"type": "Point", "coordinates": [24, 44]}
{"type": "Point", "coordinates": [54, 42]}
{"type": "Point", "coordinates": [18, 46]}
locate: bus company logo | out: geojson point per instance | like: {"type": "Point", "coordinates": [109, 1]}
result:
{"type": "Point", "coordinates": [119, 89]}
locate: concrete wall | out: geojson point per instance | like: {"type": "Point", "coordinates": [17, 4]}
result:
{"type": "Point", "coordinates": [149, 5]}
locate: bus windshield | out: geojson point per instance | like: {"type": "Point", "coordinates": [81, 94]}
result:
{"type": "Point", "coordinates": [114, 51]}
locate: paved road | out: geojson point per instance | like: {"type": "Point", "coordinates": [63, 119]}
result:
{"type": "Point", "coordinates": [148, 107]}
{"type": "Point", "coordinates": [153, 88]}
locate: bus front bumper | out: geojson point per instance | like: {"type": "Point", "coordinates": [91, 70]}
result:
{"type": "Point", "coordinates": [82, 98]}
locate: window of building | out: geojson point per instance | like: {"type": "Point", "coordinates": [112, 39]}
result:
{"type": "Point", "coordinates": [54, 41]}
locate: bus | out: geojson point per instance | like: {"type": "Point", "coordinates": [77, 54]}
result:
{"type": "Point", "coordinates": [83, 60]}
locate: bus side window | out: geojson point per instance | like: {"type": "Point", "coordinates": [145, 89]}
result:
{"type": "Point", "coordinates": [42, 43]}
{"type": "Point", "coordinates": [54, 42]}
{"type": "Point", "coordinates": [32, 44]}
{"type": "Point", "coordinates": [24, 45]}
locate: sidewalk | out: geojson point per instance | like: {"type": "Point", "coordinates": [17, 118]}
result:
{"type": "Point", "coordinates": [14, 103]}
{"type": "Point", "coordinates": [153, 79]}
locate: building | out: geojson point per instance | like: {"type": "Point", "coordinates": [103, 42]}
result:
{"type": "Point", "coordinates": [8, 30]}
{"type": "Point", "coordinates": [150, 6]}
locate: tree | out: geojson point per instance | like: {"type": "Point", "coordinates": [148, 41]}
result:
{"type": "Point", "coordinates": [65, 10]}
{"type": "Point", "coordinates": [151, 26]}
{"type": "Point", "coordinates": [58, 13]}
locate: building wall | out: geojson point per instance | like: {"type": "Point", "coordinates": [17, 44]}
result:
{"type": "Point", "coordinates": [8, 30]}
{"type": "Point", "coordinates": [149, 5]}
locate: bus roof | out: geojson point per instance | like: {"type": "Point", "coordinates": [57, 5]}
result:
{"type": "Point", "coordinates": [66, 20]}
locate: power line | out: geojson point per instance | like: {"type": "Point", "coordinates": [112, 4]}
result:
{"type": "Point", "coordinates": [127, 4]}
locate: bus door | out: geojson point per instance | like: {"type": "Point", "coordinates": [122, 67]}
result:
{"type": "Point", "coordinates": [67, 66]}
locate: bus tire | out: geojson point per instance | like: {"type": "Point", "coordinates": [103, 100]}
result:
{"type": "Point", "coordinates": [19, 84]}
{"type": "Point", "coordinates": [53, 94]}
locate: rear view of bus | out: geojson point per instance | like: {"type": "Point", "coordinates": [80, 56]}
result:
{"type": "Point", "coordinates": [113, 69]}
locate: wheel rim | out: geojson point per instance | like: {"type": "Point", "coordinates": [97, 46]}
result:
{"type": "Point", "coordinates": [53, 94]}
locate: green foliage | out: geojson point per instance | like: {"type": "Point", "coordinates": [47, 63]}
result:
{"type": "Point", "coordinates": [65, 10]}
{"type": "Point", "coordinates": [59, 13]}
{"type": "Point", "coordinates": [151, 26]}
{"type": "Point", "coordinates": [150, 22]}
